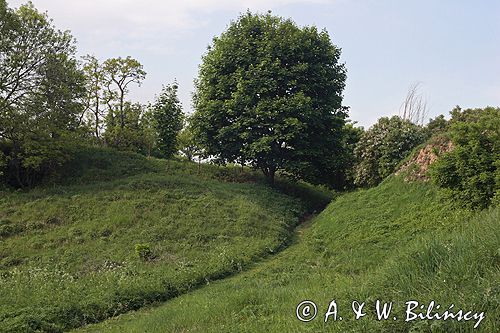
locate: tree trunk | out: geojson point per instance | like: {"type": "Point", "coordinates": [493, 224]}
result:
{"type": "Point", "coordinates": [122, 115]}
{"type": "Point", "coordinates": [97, 127]}
{"type": "Point", "coordinates": [97, 116]}
{"type": "Point", "coordinates": [270, 175]}
{"type": "Point", "coordinates": [17, 173]}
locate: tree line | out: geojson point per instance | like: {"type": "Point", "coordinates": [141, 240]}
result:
{"type": "Point", "coordinates": [269, 95]}
{"type": "Point", "coordinates": [51, 102]}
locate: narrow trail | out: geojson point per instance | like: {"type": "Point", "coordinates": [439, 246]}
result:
{"type": "Point", "coordinates": [250, 269]}
{"type": "Point", "coordinates": [357, 249]}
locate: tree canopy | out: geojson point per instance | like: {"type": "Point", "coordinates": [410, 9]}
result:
{"type": "Point", "coordinates": [269, 94]}
{"type": "Point", "coordinates": [41, 90]}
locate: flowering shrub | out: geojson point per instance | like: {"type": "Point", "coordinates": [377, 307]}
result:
{"type": "Point", "coordinates": [382, 147]}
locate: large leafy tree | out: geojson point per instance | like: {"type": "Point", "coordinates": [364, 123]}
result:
{"type": "Point", "coordinates": [41, 89]}
{"type": "Point", "coordinates": [29, 45]}
{"type": "Point", "coordinates": [169, 119]}
{"type": "Point", "coordinates": [269, 94]}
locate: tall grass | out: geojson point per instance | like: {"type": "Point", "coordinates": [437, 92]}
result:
{"type": "Point", "coordinates": [68, 249]}
{"type": "Point", "coordinates": [396, 242]}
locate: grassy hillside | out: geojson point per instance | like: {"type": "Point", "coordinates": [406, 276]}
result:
{"type": "Point", "coordinates": [396, 242]}
{"type": "Point", "coordinates": [121, 232]}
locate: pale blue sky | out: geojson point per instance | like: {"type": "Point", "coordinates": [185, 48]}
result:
{"type": "Point", "coordinates": [452, 47]}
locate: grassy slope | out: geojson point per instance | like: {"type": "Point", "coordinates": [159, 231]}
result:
{"type": "Point", "coordinates": [67, 252]}
{"type": "Point", "coordinates": [396, 242]}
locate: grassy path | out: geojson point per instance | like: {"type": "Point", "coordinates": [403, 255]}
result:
{"type": "Point", "coordinates": [396, 242]}
{"type": "Point", "coordinates": [208, 299]}
{"type": "Point", "coordinates": [68, 253]}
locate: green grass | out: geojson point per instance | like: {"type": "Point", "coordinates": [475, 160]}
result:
{"type": "Point", "coordinates": [68, 249]}
{"type": "Point", "coordinates": [396, 242]}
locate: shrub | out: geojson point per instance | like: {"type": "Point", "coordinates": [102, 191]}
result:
{"type": "Point", "coordinates": [437, 125]}
{"type": "Point", "coordinates": [470, 173]}
{"type": "Point", "coordinates": [352, 135]}
{"type": "Point", "coordinates": [382, 147]}
{"type": "Point", "coordinates": [143, 251]}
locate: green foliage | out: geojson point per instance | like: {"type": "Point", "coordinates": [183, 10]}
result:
{"type": "Point", "coordinates": [119, 73]}
{"type": "Point", "coordinates": [188, 145]}
{"type": "Point", "coordinates": [110, 117]}
{"type": "Point", "coordinates": [470, 172]}
{"type": "Point", "coordinates": [115, 121]}
{"type": "Point", "coordinates": [383, 146]}
{"type": "Point", "coordinates": [395, 242]}
{"type": "Point", "coordinates": [268, 93]}
{"type": "Point", "coordinates": [437, 126]}
{"type": "Point", "coordinates": [96, 98]}
{"type": "Point", "coordinates": [37, 157]}
{"type": "Point", "coordinates": [352, 135]}
{"type": "Point", "coordinates": [169, 119]}
{"type": "Point", "coordinates": [40, 91]}
{"type": "Point", "coordinates": [136, 133]}
{"type": "Point", "coordinates": [149, 133]}
{"type": "Point", "coordinates": [67, 250]}
{"type": "Point", "coordinates": [107, 88]}
{"type": "Point", "coordinates": [144, 252]}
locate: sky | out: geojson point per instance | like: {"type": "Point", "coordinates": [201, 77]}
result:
{"type": "Point", "coordinates": [451, 47]}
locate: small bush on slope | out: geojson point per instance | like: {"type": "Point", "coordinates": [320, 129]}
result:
{"type": "Point", "coordinates": [71, 260]}
{"type": "Point", "coordinates": [395, 242]}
